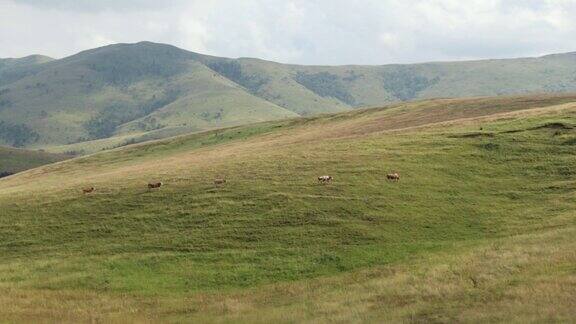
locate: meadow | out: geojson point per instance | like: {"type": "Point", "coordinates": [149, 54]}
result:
{"type": "Point", "coordinates": [14, 160]}
{"type": "Point", "coordinates": [479, 228]}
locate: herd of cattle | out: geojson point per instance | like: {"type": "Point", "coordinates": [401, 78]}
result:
{"type": "Point", "coordinates": [322, 179]}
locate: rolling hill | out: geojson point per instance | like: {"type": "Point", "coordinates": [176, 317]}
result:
{"type": "Point", "coordinates": [13, 160]}
{"type": "Point", "coordinates": [127, 93]}
{"type": "Point", "coordinates": [104, 92]}
{"type": "Point", "coordinates": [480, 228]}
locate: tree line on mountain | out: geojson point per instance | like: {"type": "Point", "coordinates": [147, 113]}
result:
{"type": "Point", "coordinates": [233, 71]}
{"type": "Point", "coordinates": [17, 135]}
{"type": "Point", "coordinates": [105, 123]}
{"type": "Point", "coordinates": [326, 85]}
{"type": "Point", "coordinates": [405, 83]}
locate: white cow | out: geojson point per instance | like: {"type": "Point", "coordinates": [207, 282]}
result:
{"type": "Point", "coordinates": [325, 179]}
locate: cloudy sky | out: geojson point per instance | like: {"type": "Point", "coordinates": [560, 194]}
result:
{"type": "Point", "coordinates": [296, 31]}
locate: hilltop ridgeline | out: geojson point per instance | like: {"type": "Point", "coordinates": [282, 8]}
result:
{"type": "Point", "coordinates": [126, 93]}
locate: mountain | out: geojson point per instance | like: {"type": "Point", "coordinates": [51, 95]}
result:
{"type": "Point", "coordinates": [12, 69]}
{"type": "Point", "coordinates": [125, 88]}
{"type": "Point", "coordinates": [126, 93]}
{"type": "Point", "coordinates": [480, 228]}
{"type": "Point", "coordinates": [12, 63]}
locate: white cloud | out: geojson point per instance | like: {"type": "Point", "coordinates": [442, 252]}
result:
{"type": "Point", "coordinates": [296, 31]}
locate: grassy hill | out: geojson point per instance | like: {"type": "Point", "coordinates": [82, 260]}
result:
{"type": "Point", "coordinates": [128, 93]}
{"type": "Point", "coordinates": [14, 160]}
{"type": "Point", "coordinates": [105, 92]}
{"type": "Point", "coordinates": [10, 64]}
{"type": "Point", "coordinates": [13, 69]}
{"type": "Point", "coordinates": [480, 227]}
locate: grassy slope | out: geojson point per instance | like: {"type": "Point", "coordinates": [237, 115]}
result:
{"type": "Point", "coordinates": [125, 91]}
{"type": "Point", "coordinates": [122, 84]}
{"type": "Point", "coordinates": [15, 160]}
{"type": "Point", "coordinates": [275, 82]}
{"type": "Point", "coordinates": [353, 86]}
{"type": "Point", "coordinates": [479, 218]}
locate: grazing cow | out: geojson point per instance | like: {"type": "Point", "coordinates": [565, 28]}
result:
{"type": "Point", "coordinates": [219, 181]}
{"type": "Point", "coordinates": [154, 185]}
{"type": "Point", "coordinates": [393, 176]}
{"type": "Point", "coordinates": [325, 179]}
{"type": "Point", "coordinates": [88, 190]}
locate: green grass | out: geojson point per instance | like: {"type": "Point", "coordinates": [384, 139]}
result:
{"type": "Point", "coordinates": [272, 231]}
{"type": "Point", "coordinates": [15, 160]}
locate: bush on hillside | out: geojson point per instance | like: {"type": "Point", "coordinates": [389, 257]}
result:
{"type": "Point", "coordinates": [571, 141]}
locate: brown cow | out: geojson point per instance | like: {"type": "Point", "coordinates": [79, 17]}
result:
{"type": "Point", "coordinates": [155, 185]}
{"type": "Point", "coordinates": [393, 176]}
{"type": "Point", "coordinates": [325, 179]}
{"type": "Point", "coordinates": [219, 181]}
{"type": "Point", "coordinates": [88, 190]}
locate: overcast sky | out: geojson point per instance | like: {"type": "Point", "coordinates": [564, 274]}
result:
{"type": "Point", "coordinates": [296, 31]}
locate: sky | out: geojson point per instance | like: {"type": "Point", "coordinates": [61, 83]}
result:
{"type": "Point", "coordinates": [327, 32]}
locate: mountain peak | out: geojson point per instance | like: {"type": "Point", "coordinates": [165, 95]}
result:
{"type": "Point", "coordinates": [28, 60]}
{"type": "Point", "coordinates": [146, 46]}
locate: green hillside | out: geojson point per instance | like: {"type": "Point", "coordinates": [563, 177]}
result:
{"type": "Point", "coordinates": [13, 69]}
{"type": "Point", "coordinates": [14, 160]}
{"type": "Point", "coordinates": [354, 86]}
{"type": "Point", "coordinates": [12, 64]}
{"type": "Point", "coordinates": [480, 227]}
{"type": "Point", "coordinates": [127, 93]}
{"type": "Point", "coordinates": [92, 94]}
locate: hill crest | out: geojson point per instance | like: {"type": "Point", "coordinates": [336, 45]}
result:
{"type": "Point", "coordinates": [126, 93]}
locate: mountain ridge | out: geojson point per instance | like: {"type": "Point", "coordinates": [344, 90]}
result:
{"type": "Point", "coordinates": [127, 90]}
{"type": "Point", "coordinates": [151, 43]}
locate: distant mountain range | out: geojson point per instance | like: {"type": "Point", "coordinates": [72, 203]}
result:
{"type": "Point", "coordinates": [125, 93]}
